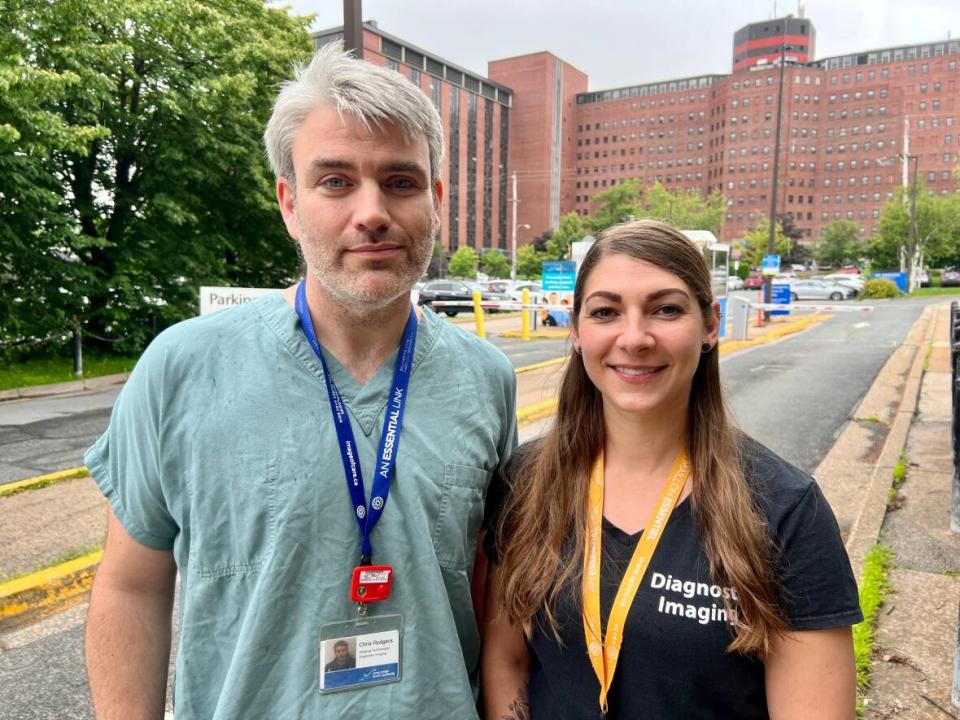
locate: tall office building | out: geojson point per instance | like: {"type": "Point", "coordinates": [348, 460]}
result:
{"type": "Point", "coordinates": [848, 124]}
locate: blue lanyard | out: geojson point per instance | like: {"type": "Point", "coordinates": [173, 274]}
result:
{"type": "Point", "coordinates": [389, 438]}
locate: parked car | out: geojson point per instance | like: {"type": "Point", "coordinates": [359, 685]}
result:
{"type": "Point", "coordinates": [855, 281]}
{"type": "Point", "coordinates": [734, 283]}
{"type": "Point", "coordinates": [460, 291]}
{"type": "Point", "coordinates": [497, 286]}
{"type": "Point", "coordinates": [820, 290]}
{"type": "Point", "coordinates": [753, 282]}
{"type": "Point", "coordinates": [924, 277]}
{"type": "Point", "coordinates": [950, 278]}
{"type": "Point", "coordinates": [536, 291]}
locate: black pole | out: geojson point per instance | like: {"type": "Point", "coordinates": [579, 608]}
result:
{"type": "Point", "coordinates": [771, 238]}
{"type": "Point", "coordinates": [77, 350]}
{"type": "Point", "coordinates": [353, 27]}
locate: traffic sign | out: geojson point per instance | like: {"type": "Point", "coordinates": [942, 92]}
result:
{"type": "Point", "coordinates": [771, 264]}
{"type": "Point", "coordinates": [780, 295]}
{"type": "Point", "coordinates": [558, 275]}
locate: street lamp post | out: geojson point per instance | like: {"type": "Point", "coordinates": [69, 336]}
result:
{"type": "Point", "coordinates": [915, 159]}
{"type": "Point", "coordinates": [774, 189]}
{"type": "Point", "coordinates": [513, 234]}
{"type": "Point", "coordinates": [513, 247]}
{"type": "Point", "coordinates": [907, 258]}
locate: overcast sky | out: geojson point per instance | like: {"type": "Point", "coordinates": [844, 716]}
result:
{"type": "Point", "coordinates": [628, 42]}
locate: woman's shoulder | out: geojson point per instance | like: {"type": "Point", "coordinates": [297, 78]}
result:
{"type": "Point", "coordinates": [777, 485]}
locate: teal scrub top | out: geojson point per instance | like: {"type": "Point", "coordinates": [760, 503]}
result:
{"type": "Point", "coordinates": [222, 448]}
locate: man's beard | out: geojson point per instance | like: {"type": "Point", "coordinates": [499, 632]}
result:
{"type": "Point", "coordinates": [347, 288]}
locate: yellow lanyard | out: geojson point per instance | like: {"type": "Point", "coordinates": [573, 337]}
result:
{"type": "Point", "coordinates": [604, 651]}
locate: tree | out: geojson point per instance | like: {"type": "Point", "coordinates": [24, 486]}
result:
{"type": "Point", "coordinates": [529, 263]}
{"type": "Point", "coordinates": [754, 243]}
{"type": "Point", "coordinates": [616, 205]}
{"type": "Point", "coordinates": [841, 244]}
{"type": "Point", "coordinates": [160, 169]}
{"type": "Point", "coordinates": [570, 230]}
{"type": "Point", "coordinates": [463, 264]}
{"type": "Point", "coordinates": [684, 209]}
{"type": "Point", "coordinates": [937, 224]}
{"type": "Point", "coordinates": [494, 264]}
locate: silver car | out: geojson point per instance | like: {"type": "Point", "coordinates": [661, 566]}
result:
{"type": "Point", "coordinates": [820, 290]}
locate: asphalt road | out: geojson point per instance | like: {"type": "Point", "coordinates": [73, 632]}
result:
{"type": "Point", "coordinates": [794, 395]}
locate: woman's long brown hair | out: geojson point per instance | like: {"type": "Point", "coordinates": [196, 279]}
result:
{"type": "Point", "coordinates": [541, 531]}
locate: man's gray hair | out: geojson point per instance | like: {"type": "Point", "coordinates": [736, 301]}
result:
{"type": "Point", "coordinates": [373, 95]}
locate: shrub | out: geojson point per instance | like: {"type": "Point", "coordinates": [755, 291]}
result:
{"type": "Point", "coordinates": [880, 289]}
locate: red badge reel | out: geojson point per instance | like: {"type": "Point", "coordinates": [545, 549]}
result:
{"type": "Point", "coordinates": [371, 583]}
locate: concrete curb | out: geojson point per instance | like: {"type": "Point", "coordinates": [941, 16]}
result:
{"type": "Point", "coordinates": [64, 388]}
{"type": "Point", "coordinates": [558, 334]}
{"type": "Point", "coordinates": [866, 527]}
{"type": "Point", "coordinates": [44, 592]}
{"type": "Point", "coordinates": [10, 488]}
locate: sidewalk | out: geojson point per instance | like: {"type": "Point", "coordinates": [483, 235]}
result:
{"type": "Point", "coordinates": [917, 634]}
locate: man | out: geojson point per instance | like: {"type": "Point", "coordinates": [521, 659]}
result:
{"type": "Point", "coordinates": [221, 459]}
{"type": "Point", "coordinates": [342, 659]}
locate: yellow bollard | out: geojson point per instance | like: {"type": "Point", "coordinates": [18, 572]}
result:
{"type": "Point", "coordinates": [478, 315]}
{"type": "Point", "coordinates": [525, 314]}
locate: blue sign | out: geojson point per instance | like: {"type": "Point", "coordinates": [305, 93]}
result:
{"type": "Point", "coordinates": [771, 264]}
{"type": "Point", "coordinates": [558, 275]}
{"type": "Point", "coordinates": [723, 316]}
{"type": "Point", "coordinates": [780, 295]}
{"type": "Point", "coordinates": [899, 278]}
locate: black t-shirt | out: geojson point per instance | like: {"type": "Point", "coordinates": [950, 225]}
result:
{"type": "Point", "coordinates": [673, 662]}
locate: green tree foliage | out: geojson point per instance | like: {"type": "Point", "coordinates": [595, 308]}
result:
{"type": "Point", "coordinates": [616, 205]}
{"type": "Point", "coordinates": [754, 244]}
{"type": "Point", "coordinates": [841, 244]}
{"type": "Point", "coordinates": [494, 264]}
{"type": "Point", "coordinates": [529, 263]}
{"type": "Point", "coordinates": [571, 229]}
{"type": "Point", "coordinates": [938, 230]}
{"type": "Point", "coordinates": [150, 114]}
{"type": "Point", "coordinates": [463, 264]}
{"type": "Point", "coordinates": [684, 209]}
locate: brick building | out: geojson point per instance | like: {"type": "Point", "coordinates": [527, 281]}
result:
{"type": "Point", "coordinates": [847, 123]}
{"type": "Point", "coordinates": [476, 118]}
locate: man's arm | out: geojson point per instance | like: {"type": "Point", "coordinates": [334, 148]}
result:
{"type": "Point", "coordinates": [128, 628]}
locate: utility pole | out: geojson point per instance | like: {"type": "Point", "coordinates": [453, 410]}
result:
{"type": "Point", "coordinates": [914, 255]}
{"type": "Point", "coordinates": [513, 237]}
{"type": "Point", "coordinates": [771, 238]}
{"type": "Point", "coordinates": [353, 28]}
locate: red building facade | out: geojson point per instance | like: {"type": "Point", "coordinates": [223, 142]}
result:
{"type": "Point", "coordinates": [848, 124]}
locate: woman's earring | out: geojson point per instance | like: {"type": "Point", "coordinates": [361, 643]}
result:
{"type": "Point", "coordinates": [705, 348]}
{"type": "Point", "coordinates": [576, 349]}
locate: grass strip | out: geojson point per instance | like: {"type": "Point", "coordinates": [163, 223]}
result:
{"type": "Point", "coordinates": [874, 586]}
{"type": "Point", "coordinates": [934, 291]}
{"type": "Point", "coordinates": [42, 481]}
{"type": "Point", "coordinates": [66, 556]}
{"type": "Point", "coordinates": [44, 371]}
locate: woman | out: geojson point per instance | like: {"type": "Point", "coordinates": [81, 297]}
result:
{"type": "Point", "coordinates": [649, 560]}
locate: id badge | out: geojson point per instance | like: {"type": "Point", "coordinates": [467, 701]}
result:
{"type": "Point", "coordinates": [360, 653]}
